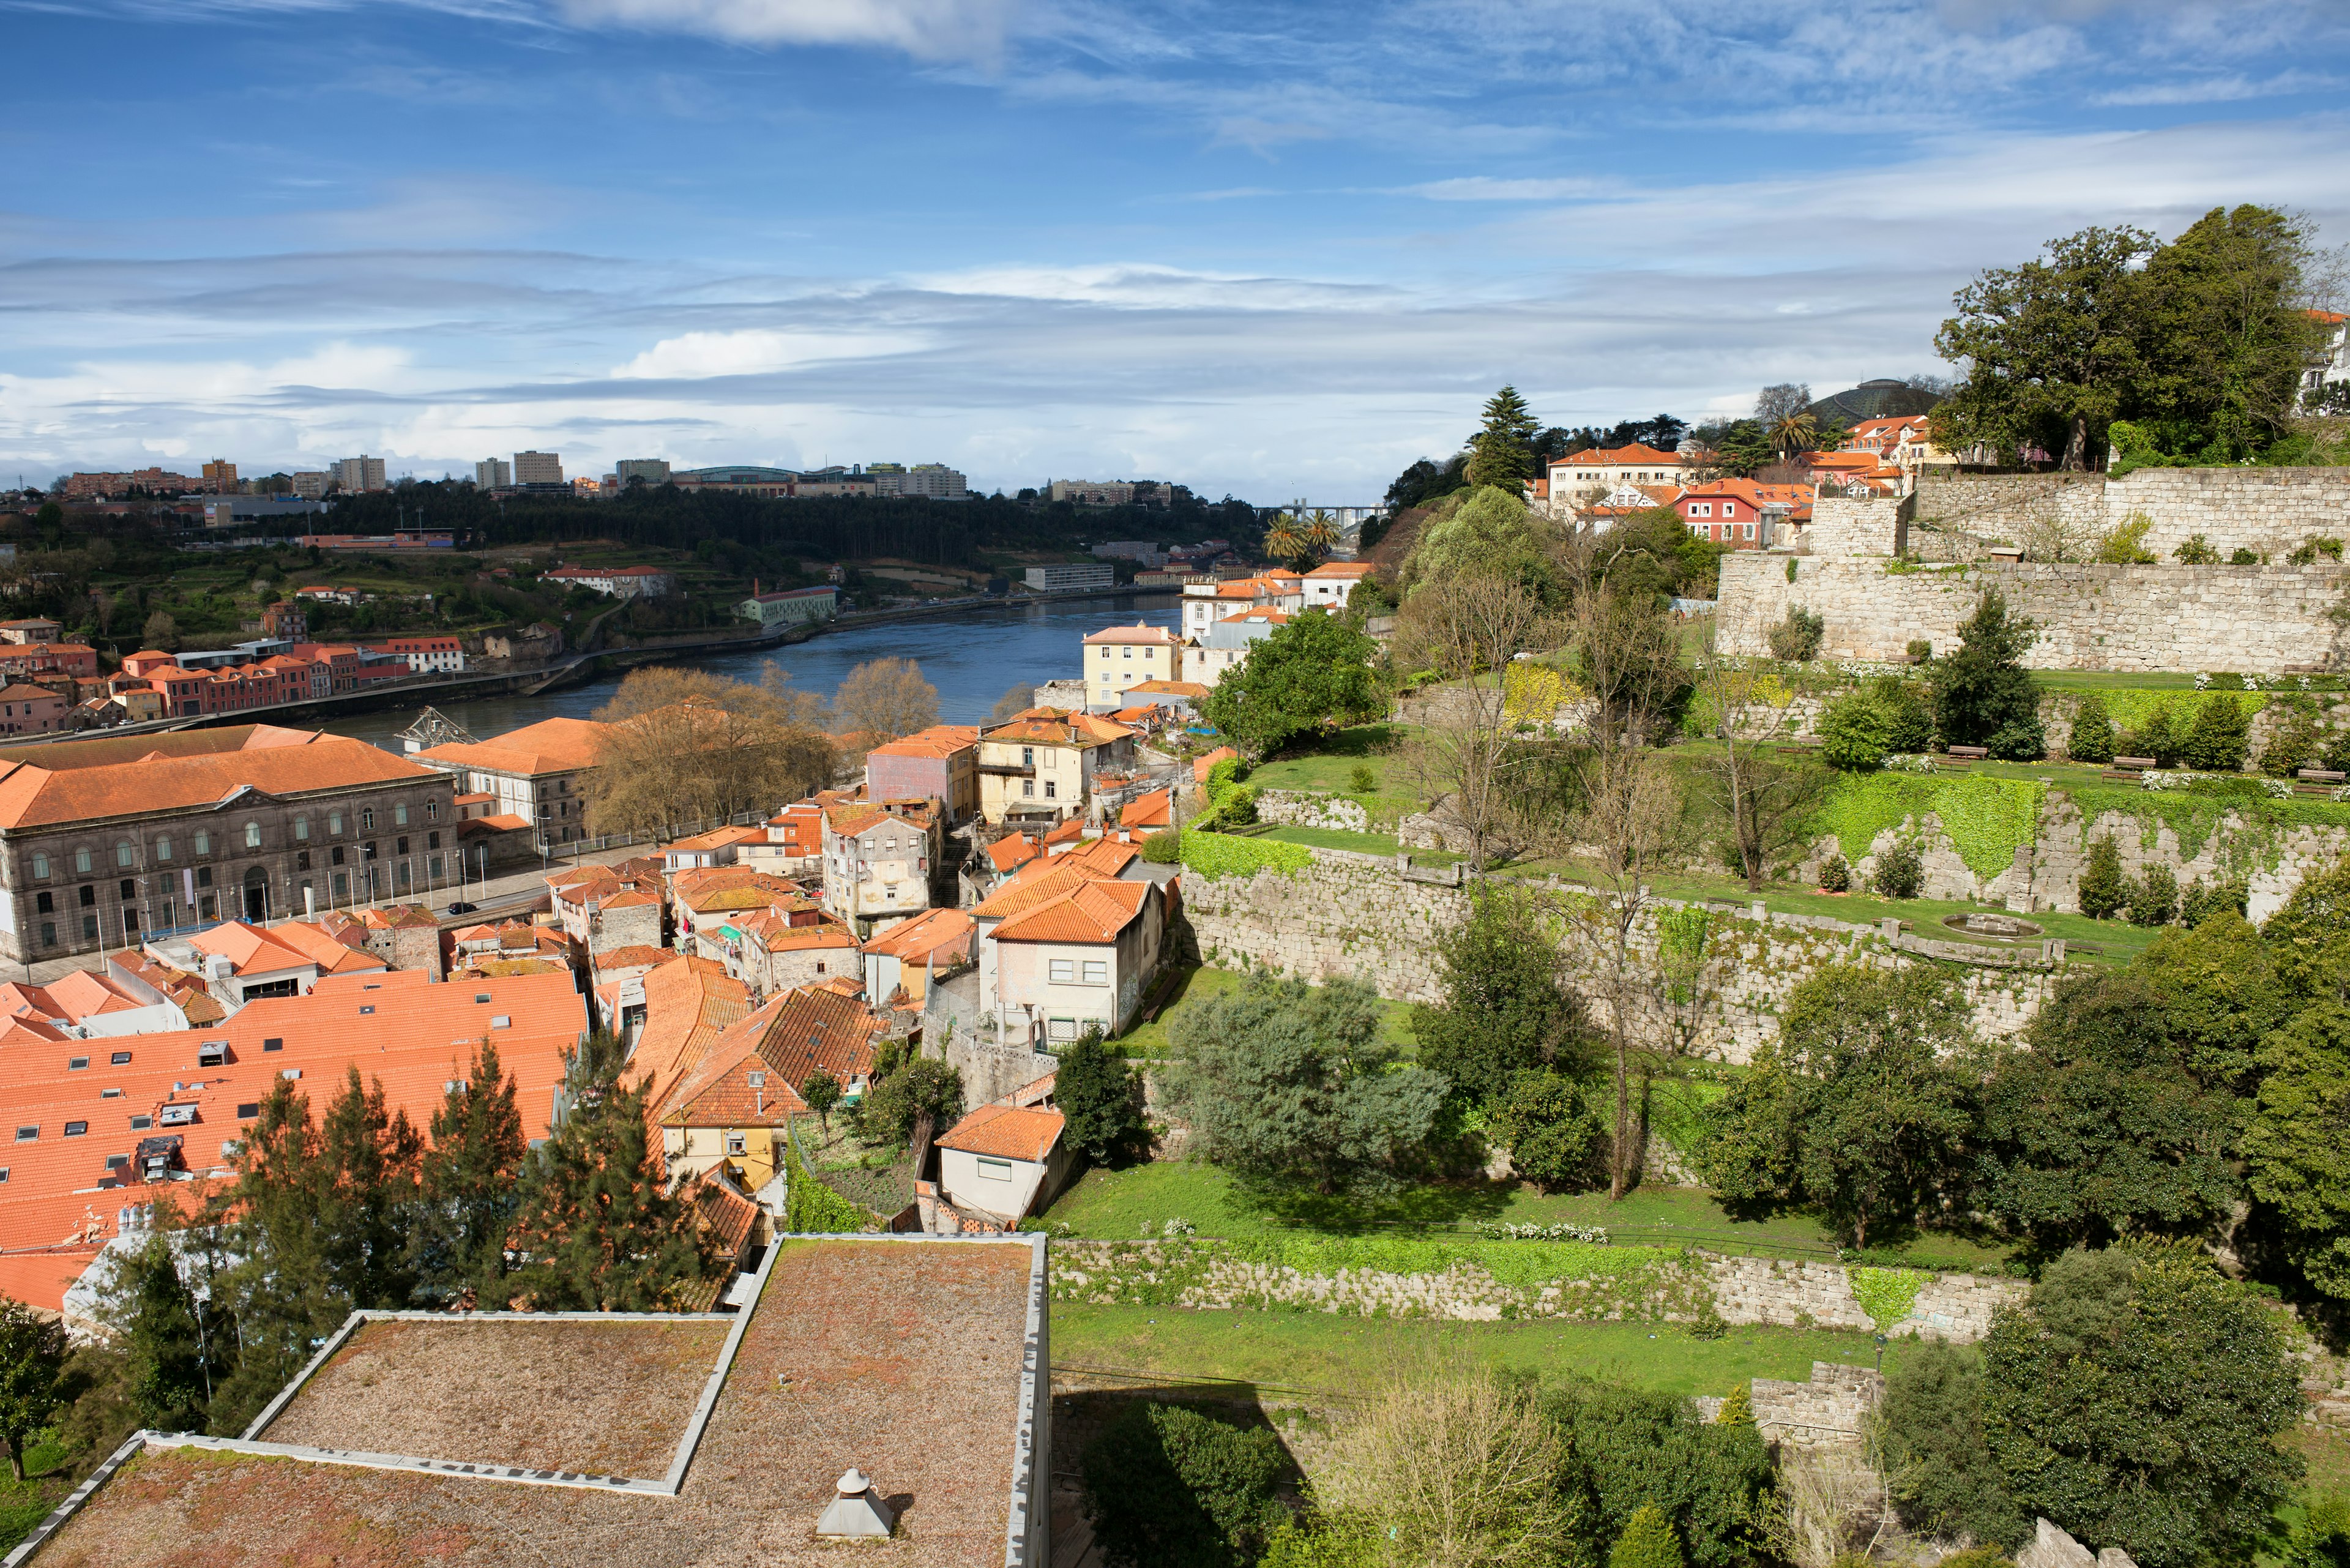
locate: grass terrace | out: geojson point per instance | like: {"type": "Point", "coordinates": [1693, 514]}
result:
{"type": "Point", "coordinates": [1194, 985]}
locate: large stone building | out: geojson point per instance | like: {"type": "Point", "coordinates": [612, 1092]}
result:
{"type": "Point", "coordinates": [103, 841]}
{"type": "Point", "coordinates": [536, 772]}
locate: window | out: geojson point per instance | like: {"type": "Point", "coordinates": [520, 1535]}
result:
{"type": "Point", "coordinates": [1730, 509]}
{"type": "Point", "coordinates": [206, 907]}
{"type": "Point", "coordinates": [995, 1169]}
{"type": "Point", "coordinates": [81, 861]}
{"type": "Point", "coordinates": [433, 868]}
{"type": "Point", "coordinates": [432, 840]}
{"type": "Point", "coordinates": [141, 1123]}
{"type": "Point", "coordinates": [203, 842]}
{"type": "Point", "coordinates": [399, 815]}
{"type": "Point", "coordinates": [127, 890]}
{"type": "Point", "coordinates": [49, 934]}
{"type": "Point", "coordinates": [1063, 970]}
{"type": "Point", "coordinates": [334, 822]}
{"type": "Point", "coordinates": [272, 1044]}
{"type": "Point", "coordinates": [28, 1135]}
{"type": "Point", "coordinates": [502, 1021]}
{"type": "Point", "coordinates": [735, 1143]}
{"type": "Point", "coordinates": [302, 830]}
{"type": "Point", "coordinates": [1027, 786]}
{"type": "Point", "coordinates": [117, 1161]}
{"type": "Point", "coordinates": [88, 926]}
{"type": "Point", "coordinates": [124, 854]}
{"type": "Point", "coordinates": [40, 864]}
{"type": "Point", "coordinates": [342, 879]}
{"type": "Point", "coordinates": [301, 860]}
{"type": "Point", "coordinates": [367, 850]}
{"type": "Point", "coordinates": [77, 1129]}
{"type": "Point", "coordinates": [1097, 971]}
{"type": "Point", "coordinates": [367, 820]}
{"type": "Point", "coordinates": [1129, 653]}
{"type": "Point", "coordinates": [433, 811]}
{"type": "Point", "coordinates": [119, 1059]}
{"type": "Point", "coordinates": [110, 1094]}
{"type": "Point", "coordinates": [45, 903]}
{"type": "Point", "coordinates": [401, 848]}
{"type": "Point", "coordinates": [253, 836]}
{"type": "Point", "coordinates": [203, 876]}
{"type": "Point", "coordinates": [163, 848]}
{"type": "Point", "coordinates": [1050, 786]}
{"type": "Point", "coordinates": [1027, 760]}
{"type": "Point", "coordinates": [334, 857]}
{"type": "Point", "coordinates": [211, 1054]}
{"type": "Point", "coordinates": [77, 1064]}
{"type": "Point", "coordinates": [248, 1110]}
{"type": "Point", "coordinates": [1702, 509]}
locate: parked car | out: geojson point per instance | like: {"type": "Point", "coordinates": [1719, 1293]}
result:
{"type": "Point", "coordinates": [463, 909]}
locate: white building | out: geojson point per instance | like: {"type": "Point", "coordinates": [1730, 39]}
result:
{"type": "Point", "coordinates": [494, 473]}
{"type": "Point", "coordinates": [1327, 586]}
{"type": "Point", "coordinates": [1066, 576]}
{"type": "Point", "coordinates": [1206, 603]}
{"type": "Point", "coordinates": [360, 475]}
{"type": "Point", "coordinates": [538, 468]}
{"type": "Point", "coordinates": [935, 480]}
{"type": "Point", "coordinates": [652, 469]}
{"type": "Point", "coordinates": [618, 582]}
{"type": "Point", "coordinates": [791, 605]}
{"type": "Point", "coordinates": [1118, 657]}
{"type": "Point", "coordinates": [877, 861]}
{"type": "Point", "coordinates": [2334, 367]}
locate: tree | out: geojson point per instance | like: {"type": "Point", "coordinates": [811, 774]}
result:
{"type": "Point", "coordinates": [170, 1361]}
{"type": "Point", "coordinates": [596, 1226]}
{"type": "Point", "coordinates": [162, 632]}
{"type": "Point", "coordinates": [1628, 1449]}
{"type": "Point", "coordinates": [2228, 338]}
{"type": "Point", "coordinates": [1498, 454]}
{"type": "Point", "coordinates": [909, 1088]}
{"type": "Point", "coordinates": [1766, 797]}
{"type": "Point", "coordinates": [1792, 433]}
{"type": "Point", "coordinates": [1168, 1485]}
{"type": "Point", "coordinates": [1648, 1541]}
{"type": "Point", "coordinates": [2296, 1157]}
{"type": "Point", "coordinates": [1855, 734]}
{"type": "Point", "coordinates": [1456, 1469]}
{"type": "Point", "coordinates": [1554, 1140]}
{"type": "Point", "coordinates": [1468, 627]}
{"type": "Point", "coordinates": [2093, 731]}
{"type": "Point", "coordinates": [821, 1090]}
{"type": "Point", "coordinates": [1313, 673]}
{"type": "Point", "coordinates": [1861, 1107]}
{"type": "Point", "coordinates": [2309, 939]}
{"type": "Point", "coordinates": [1982, 694]}
{"type": "Point", "coordinates": [688, 746]}
{"type": "Point", "coordinates": [2053, 347]}
{"type": "Point", "coordinates": [2100, 1128]}
{"type": "Point", "coordinates": [2104, 890]}
{"type": "Point", "coordinates": [468, 1187]}
{"type": "Point", "coordinates": [2219, 739]}
{"type": "Point", "coordinates": [1489, 532]}
{"type": "Point", "coordinates": [2221, 995]}
{"type": "Point", "coordinates": [1938, 1469]}
{"type": "Point", "coordinates": [1781, 400]}
{"type": "Point", "coordinates": [885, 699]}
{"type": "Point", "coordinates": [1099, 1093]}
{"type": "Point", "coordinates": [1507, 1008]}
{"type": "Point", "coordinates": [1290, 1085]}
{"type": "Point", "coordinates": [2137, 1399]}
{"type": "Point", "coordinates": [1015, 700]}
{"type": "Point", "coordinates": [32, 1361]}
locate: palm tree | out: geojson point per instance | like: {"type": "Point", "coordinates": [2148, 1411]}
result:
{"type": "Point", "coordinates": [1320, 534]}
{"type": "Point", "coordinates": [1794, 432]}
{"type": "Point", "coordinates": [1283, 542]}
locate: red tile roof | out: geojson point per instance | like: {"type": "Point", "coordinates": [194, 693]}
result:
{"type": "Point", "coordinates": [815, 1027]}
{"type": "Point", "coordinates": [940, 932]}
{"type": "Point", "coordinates": [1094, 912]}
{"type": "Point", "coordinates": [44, 788]}
{"type": "Point", "coordinates": [689, 1006]}
{"type": "Point", "coordinates": [938, 741]}
{"type": "Point", "coordinates": [549, 746]}
{"type": "Point", "coordinates": [1007, 1132]}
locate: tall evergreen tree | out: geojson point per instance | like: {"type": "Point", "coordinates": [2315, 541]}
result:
{"type": "Point", "coordinates": [174, 1359]}
{"type": "Point", "coordinates": [601, 1233]}
{"type": "Point", "coordinates": [1501, 453]}
{"type": "Point", "coordinates": [469, 1193]}
{"type": "Point", "coordinates": [1982, 693]}
{"type": "Point", "coordinates": [1506, 1009]}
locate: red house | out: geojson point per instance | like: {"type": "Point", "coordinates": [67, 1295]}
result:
{"type": "Point", "coordinates": [1731, 511]}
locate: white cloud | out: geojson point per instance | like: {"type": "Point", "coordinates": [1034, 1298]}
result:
{"type": "Point", "coordinates": [926, 29]}
{"type": "Point", "coordinates": [697, 355]}
{"type": "Point", "coordinates": [1485, 188]}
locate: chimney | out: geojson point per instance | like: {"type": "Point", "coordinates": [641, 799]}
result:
{"type": "Point", "coordinates": [854, 1513]}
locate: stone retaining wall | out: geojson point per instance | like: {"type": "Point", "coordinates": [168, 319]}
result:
{"type": "Point", "coordinates": [2270, 620]}
{"type": "Point", "coordinates": [2269, 511]}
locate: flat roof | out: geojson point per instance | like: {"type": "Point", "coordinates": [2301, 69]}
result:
{"type": "Point", "coordinates": [919, 1359]}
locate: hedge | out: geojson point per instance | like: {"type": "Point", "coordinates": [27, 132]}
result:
{"type": "Point", "coordinates": [1986, 819]}
{"type": "Point", "coordinates": [1221, 854]}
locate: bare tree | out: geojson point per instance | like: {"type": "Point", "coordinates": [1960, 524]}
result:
{"type": "Point", "coordinates": [1468, 629]}
{"type": "Point", "coordinates": [885, 699]}
{"type": "Point", "coordinates": [1765, 794]}
{"type": "Point", "coordinates": [1015, 700]}
{"type": "Point", "coordinates": [1780, 400]}
{"type": "Point", "coordinates": [688, 746]}
{"type": "Point", "coordinates": [1625, 807]}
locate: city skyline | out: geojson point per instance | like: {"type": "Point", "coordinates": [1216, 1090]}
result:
{"type": "Point", "coordinates": [1248, 252]}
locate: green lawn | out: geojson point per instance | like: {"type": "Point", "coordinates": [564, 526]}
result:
{"type": "Point", "coordinates": [1193, 986]}
{"type": "Point", "coordinates": [24, 1504]}
{"type": "Point", "coordinates": [1118, 1205]}
{"type": "Point", "coordinates": [1326, 765]}
{"type": "Point", "coordinates": [1327, 1353]}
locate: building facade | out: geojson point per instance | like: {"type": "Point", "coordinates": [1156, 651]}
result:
{"type": "Point", "coordinates": [1120, 657]}
{"type": "Point", "coordinates": [538, 468]}
{"type": "Point", "coordinates": [616, 582]}
{"type": "Point", "coordinates": [1041, 765]}
{"type": "Point", "coordinates": [536, 772]}
{"type": "Point", "coordinates": [100, 847]}
{"type": "Point", "coordinates": [651, 470]}
{"type": "Point", "coordinates": [494, 473]}
{"type": "Point", "coordinates": [1065, 576]}
{"type": "Point", "coordinates": [360, 475]}
{"type": "Point", "coordinates": [878, 861]}
{"type": "Point", "coordinates": [938, 764]}
{"type": "Point", "coordinates": [791, 605]}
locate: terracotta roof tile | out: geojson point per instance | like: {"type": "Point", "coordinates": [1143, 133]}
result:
{"type": "Point", "coordinates": [1007, 1132]}
{"type": "Point", "coordinates": [938, 741]}
{"type": "Point", "coordinates": [933, 931]}
{"type": "Point", "coordinates": [34, 794]}
{"type": "Point", "coordinates": [549, 746]}
{"type": "Point", "coordinates": [689, 1005]}
{"type": "Point", "coordinates": [1094, 913]}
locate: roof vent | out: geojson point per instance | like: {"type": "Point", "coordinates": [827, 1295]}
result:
{"type": "Point", "coordinates": [855, 1513]}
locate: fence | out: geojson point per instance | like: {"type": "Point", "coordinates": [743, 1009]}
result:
{"type": "Point", "coordinates": [548, 848]}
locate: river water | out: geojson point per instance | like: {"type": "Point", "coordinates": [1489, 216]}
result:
{"type": "Point", "coordinates": [971, 655]}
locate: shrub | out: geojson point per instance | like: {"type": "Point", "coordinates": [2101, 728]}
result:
{"type": "Point", "coordinates": [2093, 731]}
{"type": "Point", "coordinates": [1100, 1093]}
{"type": "Point", "coordinates": [2308, 551]}
{"type": "Point", "coordinates": [1943, 1479]}
{"type": "Point", "coordinates": [2017, 741]}
{"type": "Point", "coordinates": [2156, 736]}
{"type": "Point", "coordinates": [1167, 1487]}
{"type": "Point", "coordinates": [2205, 899]}
{"type": "Point", "coordinates": [1628, 1450]}
{"type": "Point", "coordinates": [2295, 742]}
{"type": "Point", "coordinates": [1164, 848]}
{"type": "Point", "coordinates": [1360, 780]}
{"type": "Point", "coordinates": [2103, 888]}
{"type": "Point", "coordinates": [1836, 875]}
{"type": "Point", "coordinates": [1648, 1541]}
{"type": "Point", "coordinates": [2153, 896]}
{"type": "Point", "coordinates": [1798, 636]}
{"type": "Point", "coordinates": [1552, 1136]}
{"type": "Point", "coordinates": [2321, 1539]}
{"type": "Point", "coordinates": [1853, 732]}
{"type": "Point", "coordinates": [2125, 545]}
{"type": "Point", "coordinates": [1912, 722]}
{"type": "Point", "coordinates": [1901, 872]}
{"type": "Point", "coordinates": [1920, 651]}
{"type": "Point", "coordinates": [2240, 557]}
{"type": "Point", "coordinates": [2197, 552]}
{"type": "Point", "coordinates": [1237, 809]}
{"type": "Point", "coordinates": [2216, 742]}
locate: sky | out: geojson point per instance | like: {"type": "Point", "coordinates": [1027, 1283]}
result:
{"type": "Point", "coordinates": [1259, 247]}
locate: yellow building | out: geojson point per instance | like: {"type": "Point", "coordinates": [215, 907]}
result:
{"type": "Point", "coordinates": [1125, 656]}
{"type": "Point", "coordinates": [1042, 763]}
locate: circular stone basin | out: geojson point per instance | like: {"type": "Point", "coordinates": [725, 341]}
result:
{"type": "Point", "coordinates": [1980, 925]}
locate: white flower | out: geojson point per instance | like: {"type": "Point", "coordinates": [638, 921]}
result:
{"type": "Point", "coordinates": [2252, 682]}
{"type": "Point", "coordinates": [2202, 680]}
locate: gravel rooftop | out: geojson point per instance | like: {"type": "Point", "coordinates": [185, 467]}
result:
{"type": "Point", "coordinates": [903, 1358]}
{"type": "Point", "coordinates": [605, 1398]}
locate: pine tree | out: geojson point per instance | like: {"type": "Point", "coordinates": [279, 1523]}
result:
{"type": "Point", "coordinates": [172, 1358]}
{"type": "Point", "coordinates": [1648, 1541]}
{"type": "Point", "coordinates": [2104, 890]}
{"type": "Point", "coordinates": [469, 1193]}
{"type": "Point", "coordinates": [1737, 1408]}
{"type": "Point", "coordinates": [370, 1157]}
{"type": "Point", "coordinates": [1100, 1092]}
{"type": "Point", "coordinates": [2093, 731]}
{"type": "Point", "coordinates": [601, 1233]}
{"type": "Point", "coordinates": [2216, 742]}
{"type": "Point", "coordinates": [1499, 453]}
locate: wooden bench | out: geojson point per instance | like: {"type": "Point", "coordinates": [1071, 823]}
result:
{"type": "Point", "coordinates": [1972, 753]}
{"type": "Point", "coordinates": [2322, 775]}
{"type": "Point", "coordinates": [2134, 764]}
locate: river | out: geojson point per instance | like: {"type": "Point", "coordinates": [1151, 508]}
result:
{"type": "Point", "coordinates": [971, 655]}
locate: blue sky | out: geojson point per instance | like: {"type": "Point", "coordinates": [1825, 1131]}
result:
{"type": "Point", "coordinates": [1272, 248]}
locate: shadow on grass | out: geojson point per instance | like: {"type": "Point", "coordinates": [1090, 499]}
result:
{"type": "Point", "coordinates": [1362, 741]}
{"type": "Point", "coordinates": [1431, 1207]}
